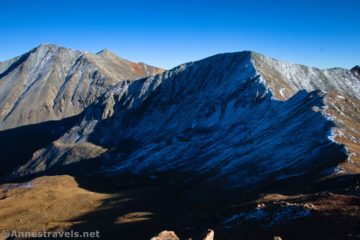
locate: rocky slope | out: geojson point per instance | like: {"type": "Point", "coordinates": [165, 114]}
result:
{"type": "Point", "coordinates": [342, 90]}
{"type": "Point", "coordinates": [51, 83]}
{"type": "Point", "coordinates": [239, 120]}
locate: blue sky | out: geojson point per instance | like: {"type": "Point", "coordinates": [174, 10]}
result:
{"type": "Point", "coordinates": [167, 33]}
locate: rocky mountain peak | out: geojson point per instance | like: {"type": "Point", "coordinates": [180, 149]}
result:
{"type": "Point", "coordinates": [48, 46]}
{"type": "Point", "coordinates": [53, 49]}
{"type": "Point", "coordinates": [105, 52]}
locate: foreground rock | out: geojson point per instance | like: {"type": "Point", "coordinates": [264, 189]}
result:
{"type": "Point", "coordinates": [170, 235]}
{"type": "Point", "coordinates": [166, 235]}
{"type": "Point", "coordinates": [209, 235]}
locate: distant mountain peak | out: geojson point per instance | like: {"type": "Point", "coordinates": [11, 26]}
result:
{"type": "Point", "coordinates": [105, 51]}
{"type": "Point", "coordinates": [69, 80]}
{"type": "Point", "coordinates": [47, 46]}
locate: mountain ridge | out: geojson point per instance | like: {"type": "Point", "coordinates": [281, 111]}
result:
{"type": "Point", "coordinates": [223, 102]}
{"type": "Point", "coordinates": [231, 102]}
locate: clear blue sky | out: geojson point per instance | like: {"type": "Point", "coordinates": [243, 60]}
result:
{"type": "Point", "coordinates": [166, 33]}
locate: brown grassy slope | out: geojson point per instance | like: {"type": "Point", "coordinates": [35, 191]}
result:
{"type": "Point", "coordinates": [46, 203]}
{"type": "Point", "coordinates": [57, 203]}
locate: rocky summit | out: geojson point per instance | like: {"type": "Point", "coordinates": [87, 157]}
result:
{"type": "Point", "coordinates": [241, 125]}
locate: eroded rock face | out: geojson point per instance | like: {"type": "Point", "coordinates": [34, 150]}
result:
{"type": "Point", "coordinates": [52, 83]}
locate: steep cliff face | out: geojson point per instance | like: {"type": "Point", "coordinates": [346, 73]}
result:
{"type": "Point", "coordinates": [237, 120]}
{"type": "Point", "coordinates": [51, 83]}
{"type": "Point", "coordinates": [342, 101]}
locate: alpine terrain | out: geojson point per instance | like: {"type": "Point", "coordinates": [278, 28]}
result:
{"type": "Point", "coordinates": [245, 144]}
{"type": "Point", "coordinates": [59, 82]}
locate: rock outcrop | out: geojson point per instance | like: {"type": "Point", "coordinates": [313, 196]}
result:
{"type": "Point", "coordinates": [166, 235]}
